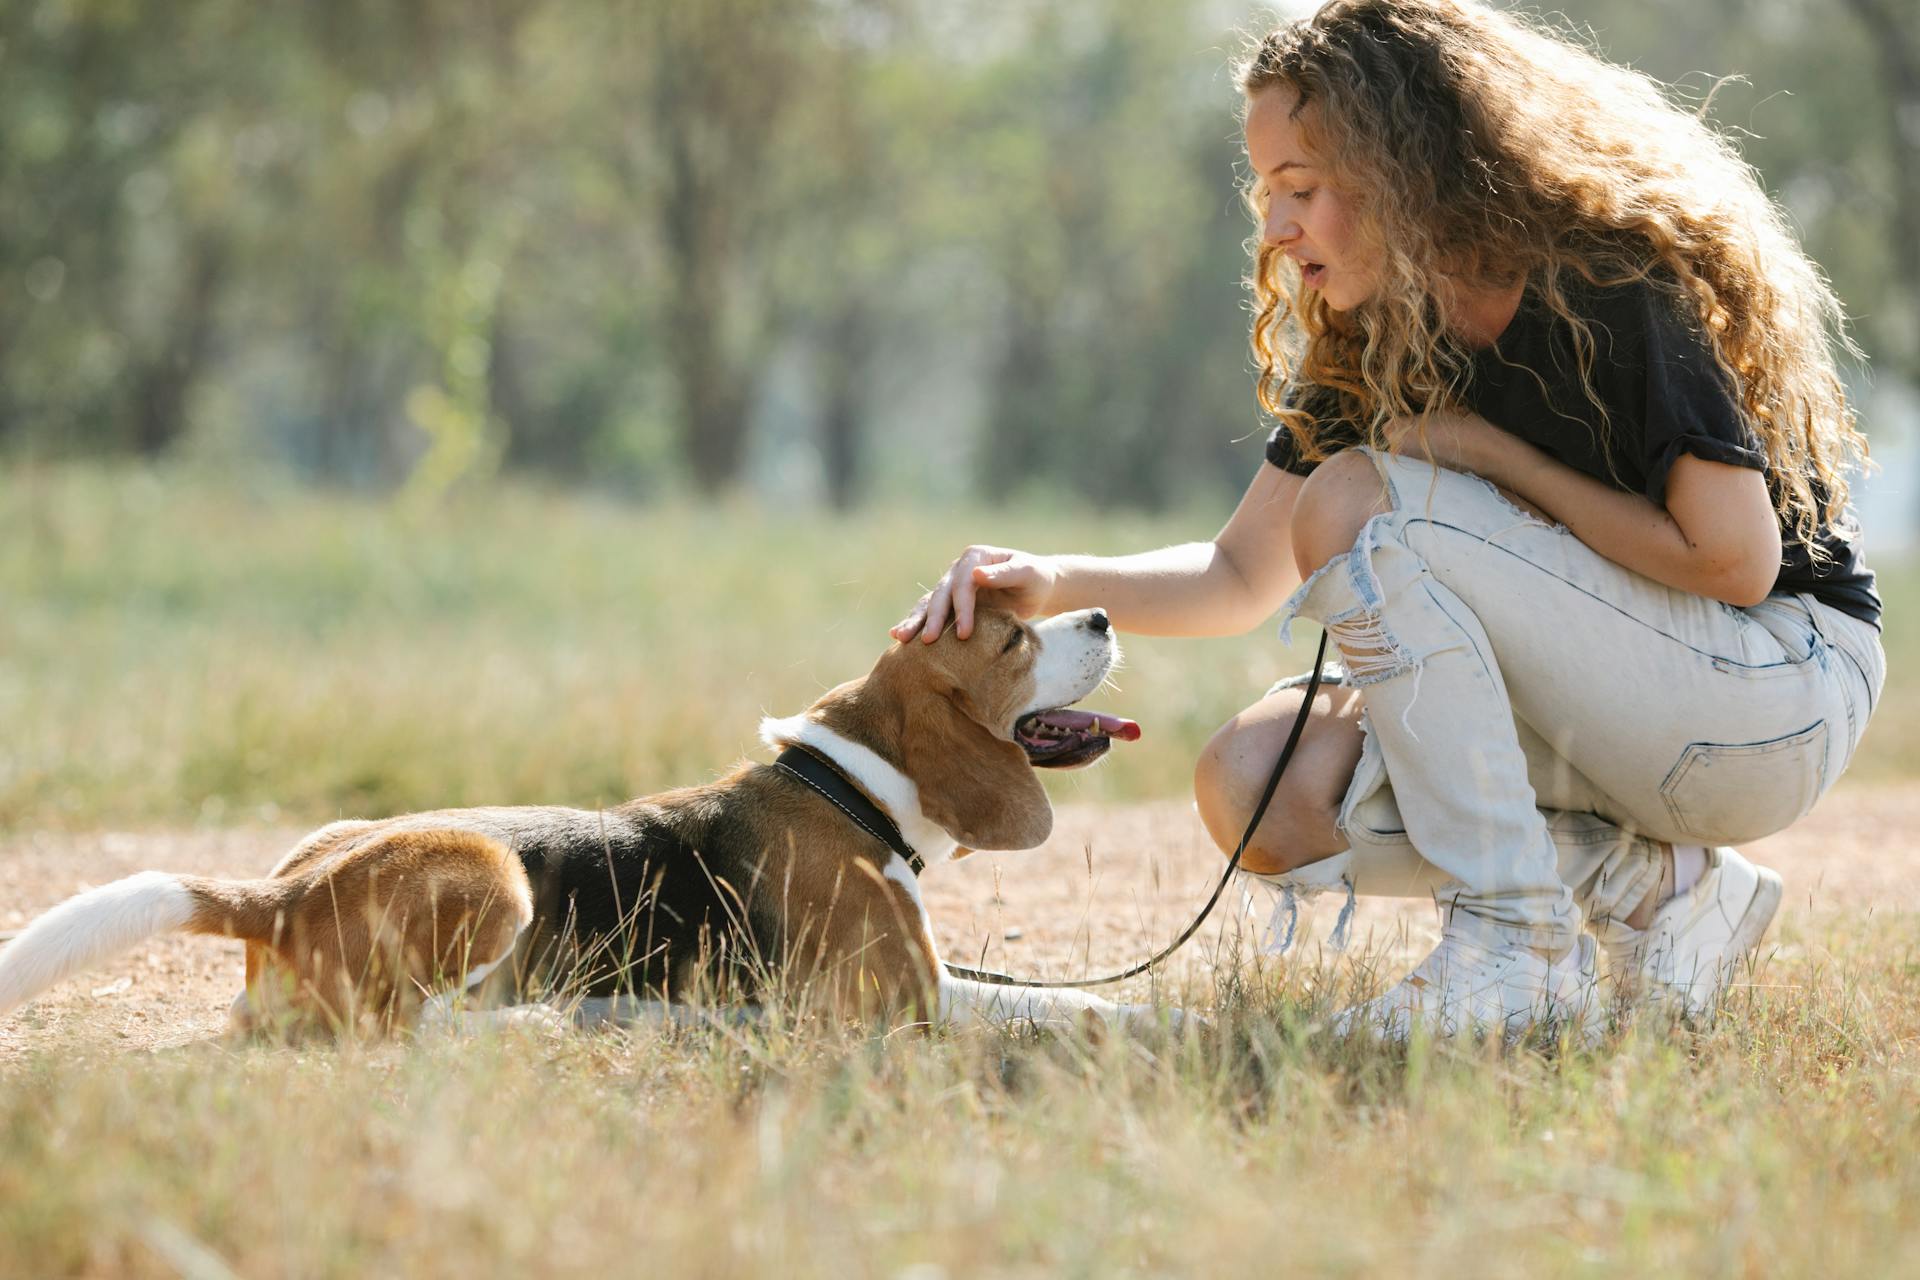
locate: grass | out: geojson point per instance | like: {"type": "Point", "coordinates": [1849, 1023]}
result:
{"type": "Point", "coordinates": [175, 649]}
{"type": "Point", "coordinates": [1781, 1142]}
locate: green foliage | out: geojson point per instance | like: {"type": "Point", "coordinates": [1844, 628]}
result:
{"type": "Point", "coordinates": [835, 245]}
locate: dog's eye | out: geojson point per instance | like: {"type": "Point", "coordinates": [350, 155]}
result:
{"type": "Point", "coordinates": [1013, 641]}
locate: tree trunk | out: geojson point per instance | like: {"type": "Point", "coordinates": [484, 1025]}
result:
{"type": "Point", "coordinates": [161, 390]}
{"type": "Point", "coordinates": [849, 339]}
{"type": "Point", "coordinates": [1017, 431]}
{"type": "Point", "coordinates": [712, 402]}
{"type": "Point", "coordinates": [550, 445]}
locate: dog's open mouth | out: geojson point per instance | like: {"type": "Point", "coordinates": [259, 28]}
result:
{"type": "Point", "coordinates": [1064, 739]}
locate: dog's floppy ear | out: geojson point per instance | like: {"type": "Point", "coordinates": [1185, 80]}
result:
{"type": "Point", "coordinates": [974, 783]}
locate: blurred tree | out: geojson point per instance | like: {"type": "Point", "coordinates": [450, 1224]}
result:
{"type": "Point", "coordinates": [1816, 110]}
{"type": "Point", "coordinates": [1106, 166]}
{"type": "Point", "coordinates": [849, 174]}
{"type": "Point", "coordinates": [717, 76]}
{"type": "Point", "coordinates": [1893, 28]}
{"type": "Point", "coordinates": [110, 266]}
{"type": "Point", "coordinates": [597, 238]}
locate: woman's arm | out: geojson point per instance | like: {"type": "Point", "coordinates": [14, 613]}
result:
{"type": "Point", "coordinates": [1718, 536]}
{"type": "Point", "coordinates": [1223, 587]}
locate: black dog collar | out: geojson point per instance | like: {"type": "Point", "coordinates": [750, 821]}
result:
{"type": "Point", "coordinates": [825, 777]}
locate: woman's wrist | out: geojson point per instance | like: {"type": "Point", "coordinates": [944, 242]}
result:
{"type": "Point", "coordinates": [1059, 574]}
{"type": "Point", "coordinates": [1502, 458]}
{"type": "Point", "coordinates": [1476, 452]}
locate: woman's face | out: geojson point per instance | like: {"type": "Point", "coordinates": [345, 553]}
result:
{"type": "Point", "coordinates": [1306, 216]}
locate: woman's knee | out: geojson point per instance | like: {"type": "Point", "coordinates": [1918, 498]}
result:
{"type": "Point", "coordinates": [1301, 824]}
{"type": "Point", "coordinates": [1338, 499]}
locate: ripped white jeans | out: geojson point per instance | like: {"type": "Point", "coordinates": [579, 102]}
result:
{"type": "Point", "coordinates": [1537, 717]}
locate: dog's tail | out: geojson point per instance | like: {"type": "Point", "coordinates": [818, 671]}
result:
{"type": "Point", "coordinates": [100, 923]}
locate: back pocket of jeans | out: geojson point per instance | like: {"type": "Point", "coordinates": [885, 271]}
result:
{"type": "Point", "coordinates": [1727, 792]}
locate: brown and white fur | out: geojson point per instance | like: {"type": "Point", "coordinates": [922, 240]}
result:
{"type": "Point", "coordinates": [736, 890]}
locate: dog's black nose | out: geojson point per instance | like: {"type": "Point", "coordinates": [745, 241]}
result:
{"type": "Point", "coordinates": [1098, 620]}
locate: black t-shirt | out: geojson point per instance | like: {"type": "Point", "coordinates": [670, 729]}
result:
{"type": "Point", "coordinates": [1664, 394]}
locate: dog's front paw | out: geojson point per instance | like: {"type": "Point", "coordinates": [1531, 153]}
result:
{"type": "Point", "coordinates": [534, 1019]}
{"type": "Point", "coordinates": [1151, 1018]}
{"type": "Point", "coordinates": [447, 1016]}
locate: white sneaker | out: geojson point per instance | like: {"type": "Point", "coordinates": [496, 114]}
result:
{"type": "Point", "coordinates": [1482, 978]}
{"type": "Point", "coordinates": [1685, 956]}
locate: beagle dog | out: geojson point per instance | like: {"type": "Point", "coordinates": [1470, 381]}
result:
{"type": "Point", "coordinates": [797, 879]}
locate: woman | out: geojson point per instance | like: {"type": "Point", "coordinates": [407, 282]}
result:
{"type": "Point", "coordinates": [1561, 467]}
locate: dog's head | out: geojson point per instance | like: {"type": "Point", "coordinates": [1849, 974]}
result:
{"type": "Point", "coordinates": [968, 721]}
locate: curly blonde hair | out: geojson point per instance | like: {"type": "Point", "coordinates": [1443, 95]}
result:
{"type": "Point", "coordinates": [1478, 148]}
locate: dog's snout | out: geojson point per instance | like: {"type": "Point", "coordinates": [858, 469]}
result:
{"type": "Point", "coordinates": [1097, 621]}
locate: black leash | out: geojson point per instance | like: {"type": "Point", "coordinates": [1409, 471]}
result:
{"type": "Point", "coordinates": [1233, 865]}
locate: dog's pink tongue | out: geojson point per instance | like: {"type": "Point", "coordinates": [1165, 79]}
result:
{"type": "Point", "coordinates": [1113, 726]}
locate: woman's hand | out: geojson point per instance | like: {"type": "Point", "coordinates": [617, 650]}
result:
{"type": "Point", "coordinates": [1025, 581]}
{"type": "Point", "coordinates": [1459, 442]}
{"type": "Point", "coordinates": [1471, 444]}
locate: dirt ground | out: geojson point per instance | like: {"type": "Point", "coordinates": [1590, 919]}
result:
{"type": "Point", "coordinates": [1114, 882]}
